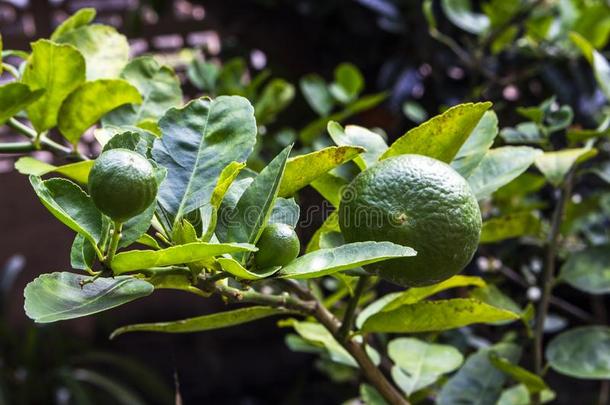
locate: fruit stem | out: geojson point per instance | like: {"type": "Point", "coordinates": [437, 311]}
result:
{"type": "Point", "coordinates": [548, 279]}
{"type": "Point", "coordinates": [114, 242]}
{"type": "Point", "coordinates": [17, 147]}
{"type": "Point", "coordinates": [352, 305]}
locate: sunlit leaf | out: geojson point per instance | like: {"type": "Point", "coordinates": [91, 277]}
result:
{"type": "Point", "coordinates": [478, 143]}
{"type": "Point", "coordinates": [78, 171]}
{"type": "Point", "coordinates": [374, 145]}
{"type": "Point", "coordinates": [15, 97]}
{"type": "Point", "coordinates": [555, 165]}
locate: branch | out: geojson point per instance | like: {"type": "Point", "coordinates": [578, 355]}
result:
{"type": "Point", "coordinates": [17, 147]}
{"type": "Point", "coordinates": [350, 312]}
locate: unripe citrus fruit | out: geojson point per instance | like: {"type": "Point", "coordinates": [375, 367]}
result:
{"type": "Point", "coordinates": [415, 201]}
{"type": "Point", "coordinates": [277, 246]}
{"type": "Point", "coordinates": [122, 184]}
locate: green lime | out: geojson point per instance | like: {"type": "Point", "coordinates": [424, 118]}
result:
{"type": "Point", "coordinates": [122, 184]}
{"type": "Point", "coordinates": [415, 201]}
{"type": "Point", "coordinates": [277, 246]}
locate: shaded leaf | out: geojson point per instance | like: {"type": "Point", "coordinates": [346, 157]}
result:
{"type": "Point", "coordinates": [187, 253]}
{"type": "Point", "coordinates": [331, 224]}
{"type": "Point", "coordinates": [374, 145]}
{"type": "Point", "coordinates": [510, 226]}
{"type": "Point", "coordinates": [236, 269]}
{"type": "Point", "coordinates": [15, 97]}
{"type": "Point", "coordinates": [89, 102]}
{"type": "Point", "coordinates": [600, 65]}
{"type": "Point", "coordinates": [285, 211]}
{"type": "Point", "coordinates": [59, 70]}
{"type": "Point", "coordinates": [555, 165]}
{"type": "Point", "coordinates": [58, 296]}
{"type": "Point", "coordinates": [82, 17]}
{"type": "Point", "coordinates": [82, 254]}
{"type": "Point", "coordinates": [588, 270]}
{"type": "Point", "coordinates": [518, 395]}
{"type": "Point", "coordinates": [331, 187]}
{"type": "Point", "coordinates": [348, 83]}
{"type": "Point", "coordinates": [316, 94]}
{"type": "Point", "coordinates": [442, 136]}
{"type": "Point", "coordinates": [205, 322]}
{"type": "Point", "coordinates": [532, 381]}
{"type": "Point", "coordinates": [428, 316]}
{"type": "Point", "coordinates": [476, 146]}
{"type": "Point", "coordinates": [275, 97]}
{"type": "Point", "coordinates": [327, 261]}
{"type": "Point", "coordinates": [581, 353]}
{"type": "Point", "coordinates": [460, 13]}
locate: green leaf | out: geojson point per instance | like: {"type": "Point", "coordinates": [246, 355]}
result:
{"type": "Point", "coordinates": [348, 83]}
{"type": "Point", "coordinates": [82, 17]}
{"type": "Point", "coordinates": [58, 296]}
{"type": "Point", "coordinates": [159, 87]}
{"type": "Point", "coordinates": [478, 381]}
{"type": "Point", "coordinates": [205, 322]}
{"type": "Point", "coordinates": [414, 111]}
{"type": "Point", "coordinates": [199, 141]}
{"type": "Point", "coordinates": [330, 187]}
{"type": "Point", "coordinates": [510, 226]}
{"type": "Point", "coordinates": [316, 94]}
{"type": "Point", "coordinates": [555, 165]}
{"type": "Point", "coordinates": [419, 364]}
{"type": "Point", "coordinates": [499, 167]}
{"type": "Point", "coordinates": [276, 96]}
{"type": "Point", "coordinates": [203, 75]}
{"type": "Point", "coordinates": [71, 205]}
{"type": "Point", "coordinates": [254, 207]}
{"type": "Point", "coordinates": [460, 13]}
{"type": "Point", "coordinates": [302, 170]}
{"type": "Point", "coordinates": [312, 131]}
{"type": "Point", "coordinates": [532, 381]}
{"type": "Point", "coordinates": [327, 261]}
{"type": "Point", "coordinates": [442, 136]}
{"type": "Point", "coordinates": [492, 295]}
{"type": "Point", "coordinates": [78, 171]}
{"type": "Point", "coordinates": [370, 396]}
{"type": "Point", "coordinates": [236, 269]}
{"type": "Point", "coordinates": [187, 253]}
{"type": "Point", "coordinates": [106, 51]}
{"type": "Point", "coordinates": [600, 65]}
{"type": "Point", "coordinates": [476, 146]}
{"type": "Point", "coordinates": [59, 70]}
{"type": "Point", "coordinates": [581, 353]}
{"type": "Point", "coordinates": [285, 211]}
{"type": "Point", "coordinates": [429, 316]}
{"type": "Point", "coordinates": [90, 101]}
{"type": "Point", "coordinates": [518, 395]}
{"type": "Point", "coordinates": [14, 97]}
{"type": "Point", "coordinates": [331, 224]}
{"type": "Point", "coordinates": [82, 254]}
{"type": "Point", "coordinates": [588, 270]}
{"type": "Point", "coordinates": [374, 145]}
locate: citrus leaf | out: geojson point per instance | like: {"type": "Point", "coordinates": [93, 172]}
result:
{"type": "Point", "coordinates": [106, 51]}
{"type": "Point", "coordinates": [78, 171]}
{"type": "Point", "coordinates": [205, 322]}
{"type": "Point", "coordinates": [440, 137]}
{"type": "Point", "coordinates": [89, 102]}
{"type": "Point", "coordinates": [236, 269]}
{"type": "Point", "coordinates": [588, 270]}
{"type": "Point", "coordinates": [188, 253]}
{"type": "Point", "coordinates": [510, 226]}
{"type": "Point", "coordinates": [275, 97]}
{"type": "Point", "coordinates": [478, 143]}
{"type": "Point", "coordinates": [478, 381]}
{"type": "Point", "coordinates": [327, 261]}
{"type": "Point", "coordinates": [58, 296]}
{"type": "Point", "coordinates": [254, 207]}
{"type": "Point", "coordinates": [331, 224]}
{"type": "Point", "coordinates": [419, 364]}
{"type": "Point", "coordinates": [14, 97]}
{"type": "Point", "coordinates": [600, 65]}
{"type": "Point", "coordinates": [519, 395]}
{"type": "Point", "coordinates": [581, 353]}
{"type": "Point", "coordinates": [500, 166]}
{"type": "Point", "coordinates": [348, 83]}
{"type": "Point", "coordinates": [59, 70]}
{"type": "Point", "coordinates": [159, 87]}
{"type": "Point", "coordinates": [285, 211]}
{"type": "Point", "coordinates": [370, 396]}
{"type": "Point", "coordinates": [82, 17]}
{"type": "Point", "coordinates": [532, 381]}
{"type": "Point", "coordinates": [316, 94]}
{"type": "Point", "coordinates": [374, 145]}
{"type": "Point", "coordinates": [302, 170]}
{"type": "Point", "coordinates": [460, 13]}
{"type": "Point", "coordinates": [199, 141]}
{"type": "Point", "coordinates": [429, 316]}
{"type": "Point", "coordinates": [330, 187]}
{"type": "Point", "coordinates": [82, 254]}
{"type": "Point", "coordinates": [71, 205]}
{"type": "Point", "coordinates": [555, 165]}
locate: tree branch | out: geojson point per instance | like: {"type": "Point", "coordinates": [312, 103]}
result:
{"type": "Point", "coordinates": [350, 312]}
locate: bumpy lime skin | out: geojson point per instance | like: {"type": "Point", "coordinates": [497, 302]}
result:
{"type": "Point", "coordinates": [277, 246]}
{"type": "Point", "coordinates": [415, 201]}
{"type": "Point", "coordinates": [122, 184]}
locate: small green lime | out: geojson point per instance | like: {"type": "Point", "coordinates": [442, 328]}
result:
{"type": "Point", "coordinates": [122, 184]}
{"type": "Point", "coordinates": [415, 201]}
{"type": "Point", "coordinates": [277, 246]}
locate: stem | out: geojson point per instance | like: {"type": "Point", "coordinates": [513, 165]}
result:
{"type": "Point", "coordinates": [11, 69]}
{"type": "Point", "coordinates": [114, 242]}
{"type": "Point", "coordinates": [549, 272]}
{"type": "Point", "coordinates": [372, 374]}
{"type": "Point", "coordinates": [350, 312]}
{"type": "Point", "coordinates": [17, 147]}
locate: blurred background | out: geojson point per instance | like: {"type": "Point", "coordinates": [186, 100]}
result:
{"type": "Point", "coordinates": [409, 72]}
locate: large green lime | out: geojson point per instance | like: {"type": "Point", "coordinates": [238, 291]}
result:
{"type": "Point", "coordinates": [277, 246]}
{"type": "Point", "coordinates": [122, 184]}
{"type": "Point", "coordinates": [414, 201]}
